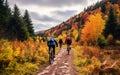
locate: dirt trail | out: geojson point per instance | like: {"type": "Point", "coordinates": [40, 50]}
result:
{"type": "Point", "coordinates": [62, 65]}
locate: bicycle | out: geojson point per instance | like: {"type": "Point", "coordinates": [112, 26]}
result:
{"type": "Point", "coordinates": [51, 56]}
{"type": "Point", "coordinates": [60, 46]}
{"type": "Point", "coordinates": [68, 49]}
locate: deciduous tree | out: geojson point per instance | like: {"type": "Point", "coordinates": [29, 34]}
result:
{"type": "Point", "coordinates": [93, 28]}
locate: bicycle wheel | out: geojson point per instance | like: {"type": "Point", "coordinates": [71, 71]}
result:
{"type": "Point", "coordinates": [51, 56]}
{"type": "Point", "coordinates": [68, 49]}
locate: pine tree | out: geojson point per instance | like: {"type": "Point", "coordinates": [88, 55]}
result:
{"type": "Point", "coordinates": [1, 14]}
{"type": "Point", "coordinates": [1, 18]}
{"type": "Point", "coordinates": [111, 24]}
{"type": "Point", "coordinates": [113, 1]}
{"type": "Point", "coordinates": [7, 14]}
{"type": "Point", "coordinates": [117, 32]}
{"type": "Point", "coordinates": [17, 28]}
{"type": "Point", "coordinates": [28, 23]}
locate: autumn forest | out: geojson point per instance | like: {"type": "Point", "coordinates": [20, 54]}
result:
{"type": "Point", "coordinates": [95, 36]}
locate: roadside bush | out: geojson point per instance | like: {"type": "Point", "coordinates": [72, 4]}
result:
{"type": "Point", "coordinates": [22, 58]}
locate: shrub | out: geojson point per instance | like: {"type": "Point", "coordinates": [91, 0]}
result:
{"type": "Point", "coordinates": [117, 42]}
{"type": "Point", "coordinates": [110, 40]}
{"type": "Point", "coordinates": [17, 58]}
{"type": "Point", "coordinates": [101, 42]}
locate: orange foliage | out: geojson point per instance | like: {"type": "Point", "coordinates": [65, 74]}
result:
{"type": "Point", "coordinates": [93, 28]}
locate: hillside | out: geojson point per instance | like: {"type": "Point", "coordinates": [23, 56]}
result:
{"type": "Point", "coordinates": [78, 21]}
{"type": "Point", "coordinates": [95, 48]}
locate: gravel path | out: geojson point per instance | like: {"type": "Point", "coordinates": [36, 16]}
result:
{"type": "Point", "coordinates": [62, 65]}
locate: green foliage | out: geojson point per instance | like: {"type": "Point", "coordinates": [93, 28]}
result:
{"type": "Point", "coordinates": [113, 1]}
{"type": "Point", "coordinates": [111, 24]}
{"type": "Point", "coordinates": [101, 42]}
{"type": "Point", "coordinates": [5, 14]}
{"type": "Point", "coordinates": [13, 26]}
{"type": "Point", "coordinates": [117, 32]}
{"type": "Point", "coordinates": [28, 23]}
{"type": "Point", "coordinates": [17, 28]}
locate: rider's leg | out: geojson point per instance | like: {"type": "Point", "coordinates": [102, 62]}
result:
{"type": "Point", "coordinates": [60, 46]}
{"type": "Point", "coordinates": [53, 50]}
{"type": "Point", "coordinates": [49, 54]}
{"type": "Point", "coordinates": [68, 48]}
{"type": "Point", "coordinates": [49, 48]}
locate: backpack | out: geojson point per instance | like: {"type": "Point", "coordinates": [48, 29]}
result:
{"type": "Point", "coordinates": [51, 42]}
{"type": "Point", "coordinates": [68, 40]}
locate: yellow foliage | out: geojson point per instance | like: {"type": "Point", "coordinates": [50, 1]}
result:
{"type": "Point", "coordinates": [6, 51]}
{"type": "Point", "coordinates": [16, 52]}
{"type": "Point", "coordinates": [64, 36]}
{"type": "Point", "coordinates": [75, 34]}
{"type": "Point", "coordinates": [95, 61]}
{"type": "Point", "coordinates": [59, 37]}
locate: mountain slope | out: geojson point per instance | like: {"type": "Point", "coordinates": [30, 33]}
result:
{"type": "Point", "coordinates": [76, 23]}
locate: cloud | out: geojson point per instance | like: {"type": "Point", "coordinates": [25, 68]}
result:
{"type": "Point", "coordinates": [48, 13]}
{"type": "Point", "coordinates": [40, 26]}
{"type": "Point", "coordinates": [43, 18]}
{"type": "Point", "coordinates": [50, 3]}
{"type": "Point", "coordinates": [65, 13]}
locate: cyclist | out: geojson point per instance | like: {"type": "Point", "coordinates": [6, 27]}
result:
{"type": "Point", "coordinates": [52, 43]}
{"type": "Point", "coordinates": [68, 41]}
{"type": "Point", "coordinates": [60, 43]}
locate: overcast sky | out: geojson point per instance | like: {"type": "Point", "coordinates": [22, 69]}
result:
{"type": "Point", "coordinates": [48, 13]}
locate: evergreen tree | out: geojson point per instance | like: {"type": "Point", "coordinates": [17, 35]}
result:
{"type": "Point", "coordinates": [117, 32]}
{"type": "Point", "coordinates": [113, 1]}
{"type": "Point", "coordinates": [7, 14]}
{"type": "Point", "coordinates": [28, 23]}
{"type": "Point", "coordinates": [4, 12]}
{"type": "Point", "coordinates": [17, 28]}
{"type": "Point", "coordinates": [111, 24]}
{"type": "Point", "coordinates": [1, 14]}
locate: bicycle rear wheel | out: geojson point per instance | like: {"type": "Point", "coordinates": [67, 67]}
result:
{"type": "Point", "coordinates": [51, 56]}
{"type": "Point", "coordinates": [68, 49]}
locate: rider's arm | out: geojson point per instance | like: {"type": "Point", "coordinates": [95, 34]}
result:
{"type": "Point", "coordinates": [47, 43]}
{"type": "Point", "coordinates": [56, 43]}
